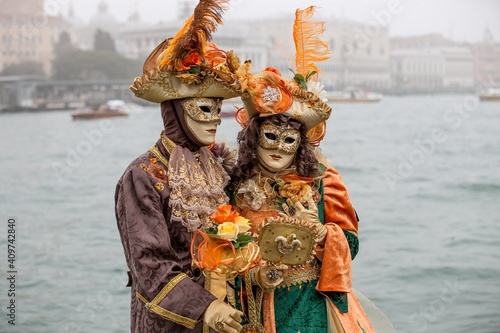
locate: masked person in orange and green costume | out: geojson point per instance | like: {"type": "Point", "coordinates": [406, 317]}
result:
{"type": "Point", "coordinates": [281, 176]}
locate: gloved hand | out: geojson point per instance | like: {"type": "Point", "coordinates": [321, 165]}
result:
{"type": "Point", "coordinates": [269, 277]}
{"type": "Point", "coordinates": [308, 214]}
{"type": "Point", "coordinates": [222, 317]}
{"type": "Point", "coordinates": [297, 210]}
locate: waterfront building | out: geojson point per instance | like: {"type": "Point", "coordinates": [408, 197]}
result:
{"type": "Point", "coordinates": [28, 34]}
{"type": "Point", "coordinates": [138, 40]}
{"type": "Point", "coordinates": [458, 75]}
{"type": "Point", "coordinates": [430, 63]}
{"type": "Point", "coordinates": [360, 55]}
{"type": "Point", "coordinates": [359, 52]}
{"type": "Point", "coordinates": [486, 55]}
{"type": "Point", "coordinates": [415, 71]}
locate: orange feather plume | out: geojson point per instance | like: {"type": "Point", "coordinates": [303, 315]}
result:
{"type": "Point", "coordinates": [309, 48]}
{"type": "Point", "coordinates": [196, 32]}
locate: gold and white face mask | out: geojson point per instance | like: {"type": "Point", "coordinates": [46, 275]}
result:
{"type": "Point", "coordinates": [202, 109]}
{"type": "Point", "coordinates": [283, 139]}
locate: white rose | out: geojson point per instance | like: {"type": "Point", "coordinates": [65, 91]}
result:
{"type": "Point", "coordinates": [228, 230]}
{"type": "Point", "coordinates": [242, 223]}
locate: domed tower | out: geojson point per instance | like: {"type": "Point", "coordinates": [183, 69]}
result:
{"type": "Point", "coordinates": [103, 20]}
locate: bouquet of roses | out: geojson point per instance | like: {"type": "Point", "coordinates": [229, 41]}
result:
{"type": "Point", "coordinates": [231, 226]}
{"type": "Point", "coordinates": [228, 246]}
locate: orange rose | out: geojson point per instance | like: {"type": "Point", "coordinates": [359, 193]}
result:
{"type": "Point", "coordinates": [224, 213]}
{"type": "Point", "coordinates": [299, 190]}
{"type": "Point", "coordinates": [193, 58]}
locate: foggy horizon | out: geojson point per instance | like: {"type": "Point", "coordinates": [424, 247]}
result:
{"type": "Point", "coordinates": [458, 20]}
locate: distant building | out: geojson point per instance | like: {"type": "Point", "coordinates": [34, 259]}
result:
{"type": "Point", "coordinates": [458, 75]}
{"type": "Point", "coordinates": [359, 54]}
{"type": "Point", "coordinates": [430, 63]}
{"type": "Point", "coordinates": [77, 25]}
{"type": "Point", "coordinates": [138, 40]}
{"type": "Point", "coordinates": [241, 38]}
{"type": "Point", "coordinates": [28, 34]}
{"type": "Point", "coordinates": [415, 71]}
{"type": "Point", "coordinates": [421, 42]}
{"type": "Point", "coordinates": [102, 20]}
{"type": "Point", "coordinates": [486, 57]}
{"type": "Point", "coordinates": [23, 8]}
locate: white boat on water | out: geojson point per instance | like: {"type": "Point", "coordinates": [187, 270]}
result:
{"type": "Point", "coordinates": [110, 109]}
{"type": "Point", "coordinates": [354, 95]}
{"type": "Point", "coordinates": [490, 94]}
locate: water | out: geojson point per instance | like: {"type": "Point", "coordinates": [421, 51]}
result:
{"type": "Point", "coordinates": [423, 174]}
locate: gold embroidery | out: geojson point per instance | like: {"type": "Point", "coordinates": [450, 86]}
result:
{"type": "Point", "coordinates": [208, 281]}
{"type": "Point", "coordinates": [209, 81]}
{"type": "Point", "coordinates": [281, 138]}
{"type": "Point", "coordinates": [231, 295]}
{"type": "Point", "coordinates": [311, 99]}
{"type": "Point", "coordinates": [167, 143]}
{"type": "Point", "coordinates": [153, 305]}
{"type": "Point", "coordinates": [159, 187]}
{"type": "Point", "coordinates": [208, 284]}
{"type": "Point", "coordinates": [297, 276]}
{"type": "Point", "coordinates": [203, 110]}
{"type": "Point", "coordinates": [168, 288]}
{"type": "Point", "coordinates": [159, 155]}
{"type": "Point", "coordinates": [164, 82]}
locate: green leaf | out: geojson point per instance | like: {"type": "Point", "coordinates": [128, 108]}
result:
{"type": "Point", "coordinates": [298, 77]}
{"type": "Point", "coordinates": [311, 73]}
{"type": "Point", "coordinates": [242, 240]}
{"type": "Point", "coordinates": [211, 231]}
{"type": "Point", "coordinates": [300, 80]}
{"type": "Point", "coordinates": [245, 238]}
{"type": "Point", "coordinates": [195, 70]}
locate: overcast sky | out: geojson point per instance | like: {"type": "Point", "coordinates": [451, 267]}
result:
{"type": "Point", "coordinates": [462, 20]}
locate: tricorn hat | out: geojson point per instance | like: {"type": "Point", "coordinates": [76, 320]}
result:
{"type": "Point", "coordinates": [189, 65]}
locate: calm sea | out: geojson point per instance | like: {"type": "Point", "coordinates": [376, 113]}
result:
{"type": "Point", "coordinates": [423, 173]}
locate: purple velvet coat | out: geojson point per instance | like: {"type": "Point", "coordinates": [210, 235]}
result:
{"type": "Point", "coordinates": [157, 252]}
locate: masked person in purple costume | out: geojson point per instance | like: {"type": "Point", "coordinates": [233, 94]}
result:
{"type": "Point", "coordinates": [167, 193]}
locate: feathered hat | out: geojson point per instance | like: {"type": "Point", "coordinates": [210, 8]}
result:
{"type": "Point", "coordinates": [189, 65]}
{"type": "Point", "coordinates": [302, 98]}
